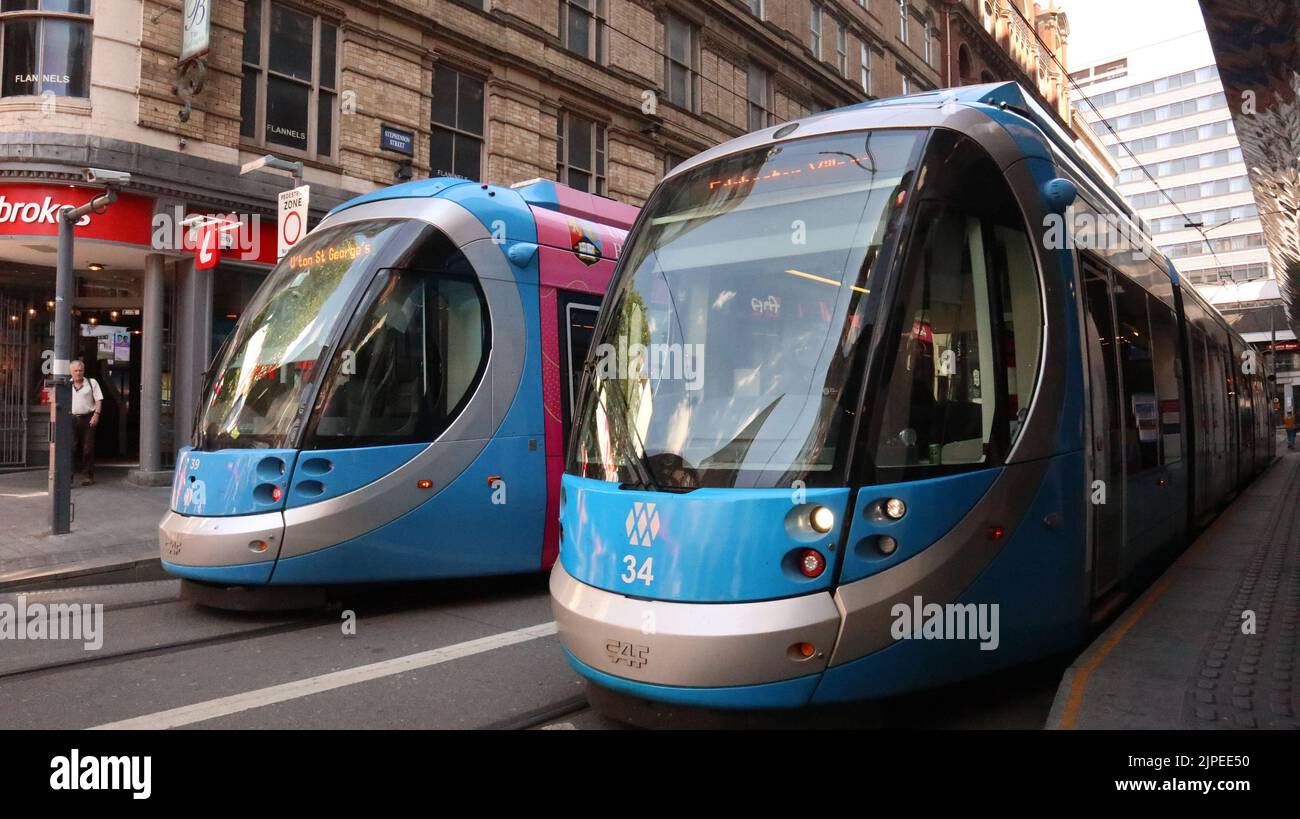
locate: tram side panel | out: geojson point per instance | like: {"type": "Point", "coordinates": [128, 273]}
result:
{"type": "Point", "coordinates": [486, 518]}
{"type": "Point", "coordinates": [576, 260]}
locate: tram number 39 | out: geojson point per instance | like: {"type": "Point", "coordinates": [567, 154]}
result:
{"type": "Point", "coordinates": [633, 573]}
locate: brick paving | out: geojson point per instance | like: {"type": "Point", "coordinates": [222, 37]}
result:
{"type": "Point", "coordinates": [1180, 657]}
{"type": "Point", "coordinates": [114, 522]}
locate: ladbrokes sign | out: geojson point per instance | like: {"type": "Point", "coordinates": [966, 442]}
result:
{"type": "Point", "coordinates": [46, 210]}
{"type": "Point", "coordinates": [33, 210]}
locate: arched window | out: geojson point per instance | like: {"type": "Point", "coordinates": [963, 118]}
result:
{"type": "Point", "coordinates": [964, 68]}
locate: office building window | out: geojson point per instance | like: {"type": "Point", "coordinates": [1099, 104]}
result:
{"type": "Point", "coordinates": [680, 62]}
{"type": "Point", "coordinates": [580, 153]}
{"type": "Point", "coordinates": [45, 48]}
{"type": "Point", "coordinates": [289, 94]}
{"type": "Point", "coordinates": [456, 140]}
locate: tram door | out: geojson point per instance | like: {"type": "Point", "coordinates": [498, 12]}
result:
{"type": "Point", "coordinates": [578, 313]}
{"type": "Point", "coordinates": [1106, 449]}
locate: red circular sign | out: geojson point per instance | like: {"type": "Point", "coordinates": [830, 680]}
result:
{"type": "Point", "coordinates": [291, 218]}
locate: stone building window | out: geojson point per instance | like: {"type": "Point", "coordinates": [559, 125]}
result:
{"type": "Point", "coordinates": [864, 58]}
{"type": "Point", "coordinates": [760, 97]}
{"type": "Point", "coordinates": [758, 8]}
{"type": "Point", "coordinates": [45, 47]}
{"type": "Point", "coordinates": [456, 138]}
{"type": "Point", "coordinates": [681, 61]}
{"type": "Point", "coordinates": [580, 153]}
{"type": "Point", "coordinates": [841, 49]}
{"type": "Point", "coordinates": [815, 30]}
{"type": "Point", "coordinates": [290, 85]}
{"type": "Point", "coordinates": [582, 27]}
{"type": "Point", "coordinates": [902, 20]}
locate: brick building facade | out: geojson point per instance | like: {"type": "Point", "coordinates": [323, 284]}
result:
{"type": "Point", "coordinates": [993, 40]}
{"type": "Point", "coordinates": [604, 95]}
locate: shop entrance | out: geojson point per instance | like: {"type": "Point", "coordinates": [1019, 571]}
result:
{"type": "Point", "coordinates": [109, 343]}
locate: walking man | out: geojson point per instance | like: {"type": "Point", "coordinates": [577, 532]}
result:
{"type": "Point", "coordinates": [87, 401]}
{"type": "Point", "coordinates": [1289, 425]}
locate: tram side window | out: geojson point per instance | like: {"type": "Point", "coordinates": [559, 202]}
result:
{"type": "Point", "coordinates": [970, 320]}
{"type": "Point", "coordinates": [1141, 405]}
{"type": "Point", "coordinates": [1022, 319]}
{"type": "Point", "coordinates": [409, 365]}
{"type": "Point", "coordinates": [1168, 378]}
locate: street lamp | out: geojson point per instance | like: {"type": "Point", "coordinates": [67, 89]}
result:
{"type": "Point", "coordinates": [61, 456]}
{"type": "Point", "coordinates": [270, 161]}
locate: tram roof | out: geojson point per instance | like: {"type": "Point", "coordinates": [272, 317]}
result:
{"type": "Point", "coordinates": [541, 193]}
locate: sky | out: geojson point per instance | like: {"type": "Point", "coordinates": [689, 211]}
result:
{"type": "Point", "coordinates": [1100, 29]}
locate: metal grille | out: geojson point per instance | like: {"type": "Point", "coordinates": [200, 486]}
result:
{"type": "Point", "coordinates": [14, 325]}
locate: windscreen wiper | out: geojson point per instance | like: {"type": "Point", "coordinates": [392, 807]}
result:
{"type": "Point", "coordinates": [625, 434]}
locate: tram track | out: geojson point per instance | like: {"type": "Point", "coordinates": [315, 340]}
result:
{"type": "Point", "coordinates": [161, 650]}
{"type": "Point", "coordinates": [541, 717]}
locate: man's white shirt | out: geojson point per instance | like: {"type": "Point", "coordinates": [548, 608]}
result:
{"type": "Point", "coordinates": [83, 400]}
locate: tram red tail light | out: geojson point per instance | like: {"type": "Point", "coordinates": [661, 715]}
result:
{"type": "Point", "coordinates": [995, 533]}
{"type": "Point", "coordinates": [424, 483]}
{"type": "Point", "coordinates": [811, 563]}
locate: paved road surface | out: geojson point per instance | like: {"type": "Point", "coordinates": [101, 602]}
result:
{"type": "Point", "coordinates": [478, 654]}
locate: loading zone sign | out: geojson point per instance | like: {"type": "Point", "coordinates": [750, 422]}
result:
{"type": "Point", "coordinates": [293, 219]}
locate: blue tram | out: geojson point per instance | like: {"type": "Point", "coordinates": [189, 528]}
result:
{"type": "Point", "coordinates": [393, 402]}
{"type": "Point", "coordinates": [881, 399]}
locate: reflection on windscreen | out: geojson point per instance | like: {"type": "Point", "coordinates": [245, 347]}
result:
{"type": "Point", "coordinates": [257, 384]}
{"type": "Point", "coordinates": [737, 315]}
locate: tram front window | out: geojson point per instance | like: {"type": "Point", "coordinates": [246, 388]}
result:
{"type": "Point", "coordinates": [257, 384]}
{"type": "Point", "coordinates": [731, 352]}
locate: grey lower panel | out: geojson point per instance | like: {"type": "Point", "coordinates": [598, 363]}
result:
{"type": "Point", "coordinates": [941, 572]}
{"type": "Point", "coordinates": [692, 644]}
{"type": "Point", "coordinates": [189, 540]}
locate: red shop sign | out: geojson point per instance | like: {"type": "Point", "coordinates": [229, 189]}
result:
{"type": "Point", "coordinates": [32, 210]}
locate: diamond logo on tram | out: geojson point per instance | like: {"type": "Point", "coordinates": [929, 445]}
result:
{"type": "Point", "coordinates": [642, 524]}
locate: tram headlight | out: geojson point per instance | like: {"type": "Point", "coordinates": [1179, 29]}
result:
{"type": "Point", "coordinates": [894, 509]}
{"type": "Point", "coordinates": [821, 519]}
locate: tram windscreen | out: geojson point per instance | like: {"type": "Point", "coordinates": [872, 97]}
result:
{"type": "Point", "coordinates": [730, 352]}
{"type": "Point", "coordinates": [257, 382]}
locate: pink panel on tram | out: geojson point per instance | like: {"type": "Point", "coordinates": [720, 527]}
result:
{"type": "Point", "coordinates": [574, 254]}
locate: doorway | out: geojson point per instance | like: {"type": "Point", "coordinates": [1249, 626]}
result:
{"type": "Point", "coordinates": [1106, 450]}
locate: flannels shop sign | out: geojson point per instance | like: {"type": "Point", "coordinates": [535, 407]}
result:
{"type": "Point", "coordinates": [46, 48]}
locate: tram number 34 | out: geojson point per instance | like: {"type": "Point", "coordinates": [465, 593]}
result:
{"type": "Point", "coordinates": [633, 573]}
